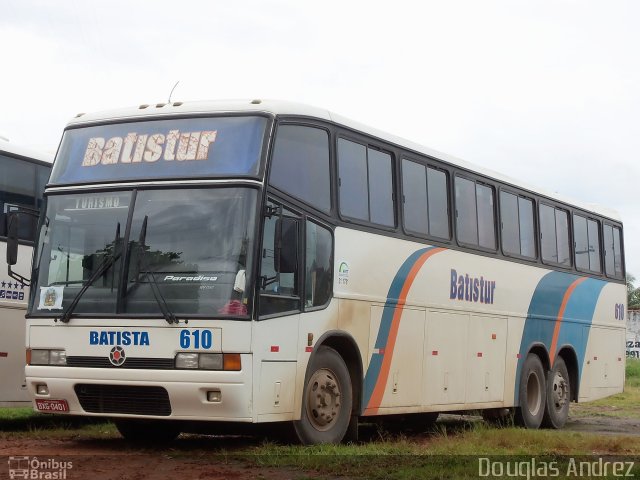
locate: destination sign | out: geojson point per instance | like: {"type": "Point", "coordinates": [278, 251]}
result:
{"type": "Point", "coordinates": [134, 148]}
{"type": "Point", "coordinates": [157, 149]}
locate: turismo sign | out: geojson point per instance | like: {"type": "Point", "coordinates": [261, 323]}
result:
{"type": "Point", "coordinates": [158, 149]}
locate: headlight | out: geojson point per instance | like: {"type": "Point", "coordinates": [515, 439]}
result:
{"type": "Point", "coordinates": [208, 361]}
{"type": "Point", "coordinates": [57, 357]}
{"type": "Point", "coordinates": [187, 360]}
{"type": "Point", "coordinates": [46, 357]}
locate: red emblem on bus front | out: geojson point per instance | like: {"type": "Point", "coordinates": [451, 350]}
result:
{"type": "Point", "coordinates": [117, 356]}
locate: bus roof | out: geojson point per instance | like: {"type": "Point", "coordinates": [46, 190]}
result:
{"type": "Point", "coordinates": [28, 153]}
{"type": "Point", "coordinates": [279, 107]}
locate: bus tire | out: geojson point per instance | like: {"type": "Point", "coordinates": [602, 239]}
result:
{"type": "Point", "coordinates": [532, 389]}
{"type": "Point", "coordinates": [147, 431]}
{"type": "Point", "coordinates": [556, 411]}
{"type": "Point", "coordinates": [326, 401]}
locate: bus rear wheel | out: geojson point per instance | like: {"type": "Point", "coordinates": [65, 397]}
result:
{"type": "Point", "coordinates": [532, 393]}
{"type": "Point", "coordinates": [327, 399]}
{"type": "Point", "coordinates": [147, 431]}
{"type": "Point", "coordinates": [556, 412]}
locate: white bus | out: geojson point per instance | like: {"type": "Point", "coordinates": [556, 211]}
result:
{"type": "Point", "coordinates": [271, 262]}
{"type": "Point", "coordinates": [24, 174]}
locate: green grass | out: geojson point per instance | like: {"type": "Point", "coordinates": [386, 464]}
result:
{"type": "Point", "coordinates": [440, 454]}
{"type": "Point", "coordinates": [450, 450]}
{"type": "Point", "coordinates": [25, 423]}
{"type": "Point", "coordinates": [633, 372]}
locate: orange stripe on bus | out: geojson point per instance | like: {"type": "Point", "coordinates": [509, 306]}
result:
{"type": "Point", "coordinates": [556, 328]}
{"type": "Point", "coordinates": [378, 391]}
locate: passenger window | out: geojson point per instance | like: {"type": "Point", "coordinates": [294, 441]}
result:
{"type": "Point", "coordinates": [475, 219]}
{"type": "Point", "coordinates": [366, 183]}
{"type": "Point", "coordinates": [486, 220]}
{"type": "Point", "coordinates": [516, 220]}
{"type": "Point", "coordinates": [318, 268]}
{"type": "Point", "coordinates": [414, 191]}
{"type": "Point", "coordinates": [300, 165]}
{"type": "Point", "coordinates": [562, 232]}
{"type": "Point", "coordinates": [527, 228]}
{"type": "Point", "coordinates": [554, 234]}
{"type": "Point", "coordinates": [352, 169]}
{"type": "Point", "coordinates": [466, 217]}
{"type": "Point", "coordinates": [586, 238]}
{"type": "Point", "coordinates": [594, 246]}
{"type": "Point", "coordinates": [581, 242]}
{"type": "Point", "coordinates": [425, 200]}
{"type": "Point", "coordinates": [380, 188]}
{"type": "Point", "coordinates": [438, 192]}
{"type": "Point", "coordinates": [617, 249]}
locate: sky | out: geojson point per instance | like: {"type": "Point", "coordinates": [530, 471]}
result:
{"type": "Point", "coordinates": [544, 91]}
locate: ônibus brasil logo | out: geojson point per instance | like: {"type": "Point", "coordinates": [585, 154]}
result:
{"type": "Point", "coordinates": [117, 356]}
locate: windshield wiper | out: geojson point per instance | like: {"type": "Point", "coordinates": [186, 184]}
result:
{"type": "Point", "coordinates": [155, 289]}
{"type": "Point", "coordinates": [162, 302]}
{"type": "Point", "coordinates": [107, 263]}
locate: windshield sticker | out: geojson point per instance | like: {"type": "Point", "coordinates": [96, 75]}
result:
{"type": "Point", "coordinates": [51, 298]}
{"type": "Point", "coordinates": [134, 148]}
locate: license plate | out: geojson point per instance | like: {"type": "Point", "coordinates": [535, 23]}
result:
{"type": "Point", "coordinates": [52, 406]}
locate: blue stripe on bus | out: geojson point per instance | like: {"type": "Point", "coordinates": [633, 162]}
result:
{"type": "Point", "coordinates": [373, 371]}
{"type": "Point", "coordinates": [543, 312]}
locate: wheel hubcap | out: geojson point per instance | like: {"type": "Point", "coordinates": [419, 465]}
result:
{"type": "Point", "coordinates": [323, 399]}
{"type": "Point", "coordinates": [533, 394]}
{"type": "Point", "coordinates": [560, 391]}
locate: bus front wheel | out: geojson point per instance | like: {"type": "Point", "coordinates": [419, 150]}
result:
{"type": "Point", "coordinates": [532, 393]}
{"type": "Point", "coordinates": [327, 399]}
{"type": "Point", "coordinates": [558, 396]}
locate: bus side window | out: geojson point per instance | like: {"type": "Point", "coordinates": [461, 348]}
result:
{"type": "Point", "coordinates": [300, 165]}
{"type": "Point", "coordinates": [279, 292]}
{"type": "Point", "coordinates": [318, 271]}
{"type": "Point", "coordinates": [554, 234]}
{"type": "Point", "coordinates": [18, 189]}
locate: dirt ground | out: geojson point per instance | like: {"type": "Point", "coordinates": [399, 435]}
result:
{"type": "Point", "coordinates": [199, 456]}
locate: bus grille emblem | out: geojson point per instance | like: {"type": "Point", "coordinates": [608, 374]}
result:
{"type": "Point", "coordinates": [117, 356]}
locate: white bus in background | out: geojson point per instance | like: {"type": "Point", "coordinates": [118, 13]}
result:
{"type": "Point", "coordinates": [23, 176]}
{"type": "Point", "coordinates": [263, 262]}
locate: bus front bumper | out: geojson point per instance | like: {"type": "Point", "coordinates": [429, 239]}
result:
{"type": "Point", "coordinates": [169, 394]}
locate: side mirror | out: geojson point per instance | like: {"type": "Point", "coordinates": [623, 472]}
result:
{"type": "Point", "coordinates": [286, 245]}
{"type": "Point", "coordinates": [12, 239]}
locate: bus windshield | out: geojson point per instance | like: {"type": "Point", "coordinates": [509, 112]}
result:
{"type": "Point", "coordinates": [161, 149]}
{"type": "Point", "coordinates": [187, 249]}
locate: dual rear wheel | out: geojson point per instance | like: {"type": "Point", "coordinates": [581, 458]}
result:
{"type": "Point", "coordinates": [543, 398]}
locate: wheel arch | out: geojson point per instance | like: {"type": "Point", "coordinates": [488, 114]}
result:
{"type": "Point", "coordinates": [568, 354]}
{"type": "Point", "coordinates": [347, 348]}
{"type": "Point", "coordinates": [540, 350]}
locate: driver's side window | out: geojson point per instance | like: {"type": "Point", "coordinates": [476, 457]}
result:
{"type": "Point", "coordinates": [279, 278]}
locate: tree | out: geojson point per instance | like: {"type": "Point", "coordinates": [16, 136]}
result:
{"type": "Point", "coordinates": [633, 293]}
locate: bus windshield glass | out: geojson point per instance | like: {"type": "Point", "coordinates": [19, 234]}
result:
{"type": "Point", "coordinates": [188, 250]}
{"type": "Point", "coordinates": [161, 149]}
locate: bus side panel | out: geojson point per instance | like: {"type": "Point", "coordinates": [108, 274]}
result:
{"type": "Point", "coordinates": [13, 304]}
{"type": "Point", "coordinates": [603, 369]}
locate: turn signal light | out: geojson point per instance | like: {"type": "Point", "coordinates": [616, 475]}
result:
{"type": "Point", "coordinates": [232, 362]}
